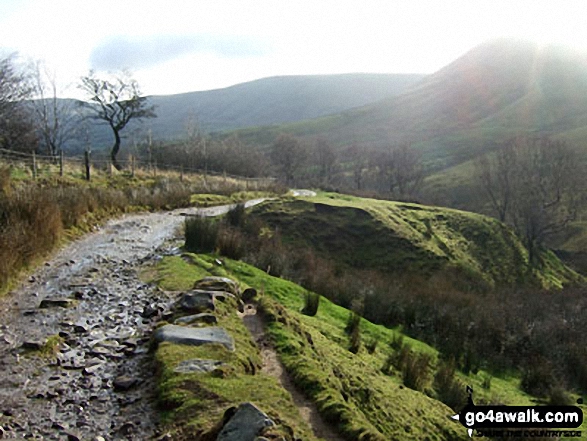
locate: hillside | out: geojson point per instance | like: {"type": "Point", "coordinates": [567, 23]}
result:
{"type": "Point", "coordinates": [401, 238]}
{"type": "Point", "coordinates": [265, 101]}
{"type": "Point", "coordinates": [495, 90]}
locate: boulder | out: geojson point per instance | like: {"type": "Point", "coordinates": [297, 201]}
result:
{"type": "Point", "coordinates": [207, 318]}
{"type": "Point", "coordinates": [197, 301]}
{"type": "Point", "coordinates": [62, 302]}
{"type": "Point", "coordinates": [246, 424]}
{"type": "Point", "coordinates": [194, 336]}
{"type": "Point", "coordinates": [249, 294]}
{"type": "Point", "coordinates": [197, 365]}
{"type": "Point", "coordinates": [218, 284]}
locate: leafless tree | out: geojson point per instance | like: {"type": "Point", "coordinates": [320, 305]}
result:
{"type": "Point", "coordinates": [55, 118]}
{"type": "Point", "coordinates": [537, 183]}
{"type": "Point", "coordinates": [327, 161]}
{"type": "Point", "coordinates": [288, 155]}
{"type": "Point", "coordinates": [116, 102]}
{"type": "Point", "coordinates": [360, 161]}
{"type": "Point", "coordinates": [402, 168]}
{"type": "Point", "coordinates": [497, 175]}
{"type": "Point", "coordinates": [16, 126]}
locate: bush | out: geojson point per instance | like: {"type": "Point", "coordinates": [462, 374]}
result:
{"type": "Point", "coordinates": [537, 379]}
{"type": "Point", "coordinates": [236, 216]}
{"type": "Point", "coordinates": [231, 243]}
{"type": "Point", "coordinates": [449, 389]}
{"type": "Point", "coordinates": [416, 371]}
{"type": "Point", "coordinates": [201, 234]}
{"type": "Point", "coordinates": [559, 397]}
{"type": "Point", "coordinates": [311, 303]}
{"type": "Point", "coordinates": [353, 328]}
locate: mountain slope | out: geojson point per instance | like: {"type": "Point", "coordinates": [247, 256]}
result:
{"type": "Point", "coordinates": [495, 90]}
{"type": "Point", "coordinates": [401, 238]}
{"type": "Point", "coordinates": [273, 100]}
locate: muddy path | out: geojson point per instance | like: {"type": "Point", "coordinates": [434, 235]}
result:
{"type": "Point", "coordinates": [273, 366]}
{"type": "Point", "coordinates": [98, 385]}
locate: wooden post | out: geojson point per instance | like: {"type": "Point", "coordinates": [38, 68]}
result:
{"type": "Point", "coordinates": [155, 169]}
{"type": "Point", "coordinates": [34, 166]}
{"type": "Point", "coordinates": [132, 165]}
{"type": "Point", "coordinates": [61, 163]}
{"type": "Point", "coordinates": [181, 173]}
{"type": "Point", "coordinates": [87, 164]}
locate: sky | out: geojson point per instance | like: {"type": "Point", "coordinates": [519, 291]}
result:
{"type": "Point", "coordinates": [176, 46]}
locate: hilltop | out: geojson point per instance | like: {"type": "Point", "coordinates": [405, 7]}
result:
{"type": "Point", "coordinates": [405, 238]}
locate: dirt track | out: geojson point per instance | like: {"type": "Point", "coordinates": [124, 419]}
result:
{"type": "Point", "coordinates": [100, 384]}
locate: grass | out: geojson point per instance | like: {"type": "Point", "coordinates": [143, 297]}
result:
{"type": "Point", "coordinates": [425, 240]}
{"type": "Point", "coordinates": [349, 389]}
{"type": "Point", "coordinates": [37, 216]}
{"type": "Point", "coordinates": [195, 403]}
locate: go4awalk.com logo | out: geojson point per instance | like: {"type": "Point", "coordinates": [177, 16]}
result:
{"type": "Point", "coordinates": [518, 421]}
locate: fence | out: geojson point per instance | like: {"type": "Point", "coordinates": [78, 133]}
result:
{"type": "Point", "coordinates": [59, 163]}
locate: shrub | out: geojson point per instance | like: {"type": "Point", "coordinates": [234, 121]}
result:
{"type": "Point", "coordinates": [230, 242]}
{"type": "Point", "coordinates": [372, 346]}
{"type": "Point", "coordinates": [557, 396]}
{"type": "Point", "coordinates": [449, 389]}
{"type": "Point", "coordinates": [353, 328]}
{"type": "Point", "coordinates": [537, 378]}
{"type": "Point", "coordinates": [416, 371]}
{"type": "Point", "coordinates": [201, 234]}
{"type": "Point", "coordinates": [236, 216]}
{"type": "Point", "coordinates": [311, 303]}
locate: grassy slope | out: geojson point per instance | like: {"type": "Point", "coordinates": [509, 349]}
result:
{"type": "Point", "coordinates": [349, 389]}
{"type": "Point", "coordinates": [410, 238]}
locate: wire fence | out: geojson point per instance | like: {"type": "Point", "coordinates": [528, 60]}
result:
{"type": "Point", "coordinates": [58, 164]}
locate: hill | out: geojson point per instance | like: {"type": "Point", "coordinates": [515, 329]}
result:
{"type": "Point", "coordinates": [403, 239]}
{"type": "Point", "coordinates": [494, 91]}
{"type": "Point", "coordinates": [273, 100]}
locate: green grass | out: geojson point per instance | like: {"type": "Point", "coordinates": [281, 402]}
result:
{"type": "Point", "coordinates": [350, 390]}
{"type": "Point", "coordinates": [410, 239]}
{"type": "Point", "coordinates": [195, 403]}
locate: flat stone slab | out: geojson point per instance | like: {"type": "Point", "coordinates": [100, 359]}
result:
{"type": "Point", "coordinates": [247, 422]}
{"type": "Point", "coordinates": [218, 284]}
{"type": "Point", "coordinates": [204, 317]}
{"type": "Point", "coordinates": [194, 336]}
{"type": "Point", "coordinates": [62, 302]}
{"type": "Point", "coordinates": [197, 365]}
{"type": "Point", "coordinates": [197, 301]}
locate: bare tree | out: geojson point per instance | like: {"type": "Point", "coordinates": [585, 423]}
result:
{"type": "Point", "coordinates": [55, 117]}
{"type": "Point", "coordinates": [327, 161]}
{"type": "Point", "coordinates": [402, 169]}
{"type": "Point", "coordinates": [116, 102]}
{"type": "Point", "coordinates": [497, 175]}
{"type": "Point", "coordinates": [360, 161]}
{"type": "Point", "coordinates": [289, 155]}
{"type": "Point", "coordinates": [536, 186]}
{"type": "Point", "coordinates": [16, 126]}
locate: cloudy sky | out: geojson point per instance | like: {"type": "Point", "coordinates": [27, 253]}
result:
{"type": "Point", "coordinates": [178, 46]}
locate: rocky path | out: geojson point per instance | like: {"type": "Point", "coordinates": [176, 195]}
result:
{"type": "Point", "coordinates": [99, 382]}
{"type": "Point", "coordinates": [272, 366]}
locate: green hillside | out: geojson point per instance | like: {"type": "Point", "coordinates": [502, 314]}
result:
{"type": "Point", "coordinates": [354, 392]}
{"type": "Point", "coordinates": [406, 238]}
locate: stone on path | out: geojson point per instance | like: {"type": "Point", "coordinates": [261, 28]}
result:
{"type": "Point", "coordinates": [197, 301]}
{"type": "Point", "coordinates": [209, 319]}
{"type": "Point", "coordinates": [197, 365]}
{"type": "Point", "coordinates": [218, 284]}
{"type": "Point", "coordinates": [62, 302]}
{"type": "Point", "coordinates": [194, 336]}
{"type": "Point", "coordinates": [246, 423]}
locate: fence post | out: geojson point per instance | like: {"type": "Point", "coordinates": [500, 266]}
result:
{"type": "Point", "coordinates": [155, 169]}
{"type": "Point", "coordinates": [87, 164]}
{"type": "Point", "coordinates": [34, 165]}
{"type": "Point", "coordinates": [61, 163]}
{"type": "Point", "coordinates": [132, 166]}
{"type": "Point", "coordinates": [181, 173]}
